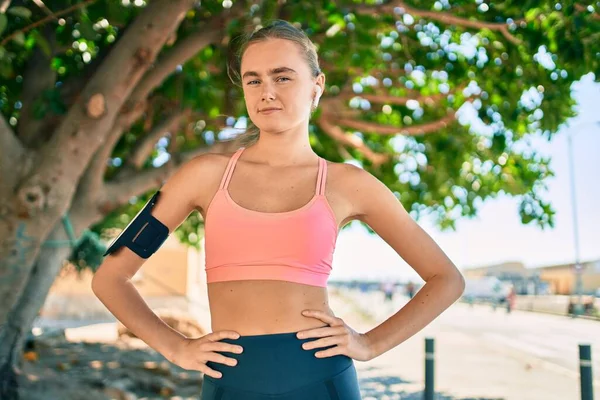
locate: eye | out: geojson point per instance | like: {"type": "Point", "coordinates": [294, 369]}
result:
{"type": "Point", "coordinates": [250, 83]}
{"type": "Point", "coordinates": [283, 77]}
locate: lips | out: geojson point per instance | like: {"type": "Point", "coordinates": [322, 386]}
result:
{"type": "Point", "coordinates": [270, 109]}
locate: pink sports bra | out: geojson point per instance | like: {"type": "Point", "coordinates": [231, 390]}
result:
{"type": "Point", "coordinates": [294, 246]}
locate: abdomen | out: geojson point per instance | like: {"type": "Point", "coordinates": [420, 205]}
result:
{"type": "Point", "coordinates": [259, 307]}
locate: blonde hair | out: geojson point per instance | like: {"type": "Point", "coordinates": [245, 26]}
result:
{"type": "Point", "coordinates": [276, 29]}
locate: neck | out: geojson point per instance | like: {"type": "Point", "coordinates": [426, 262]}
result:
{"type": "Point", "coordinates": [284, 148]}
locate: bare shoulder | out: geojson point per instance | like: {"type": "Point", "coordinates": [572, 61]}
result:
{"type": "Point", "coordinates": [341, 175]}
{"type": "Point", "coordinates": [205, 172]}
{"type": "Point", "coordinates": [358, 188]}
{"type": "Point", "coordinates": [207, 164]}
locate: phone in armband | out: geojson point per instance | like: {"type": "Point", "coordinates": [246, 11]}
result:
{"type": "Point", "coordinates": [144, 234]}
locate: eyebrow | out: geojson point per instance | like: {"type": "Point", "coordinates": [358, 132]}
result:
{"type": "Point", "coordinates": [271, 72]}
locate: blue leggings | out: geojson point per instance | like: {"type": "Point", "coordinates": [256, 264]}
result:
{"type": "Point", "coordinates": [276, 367]}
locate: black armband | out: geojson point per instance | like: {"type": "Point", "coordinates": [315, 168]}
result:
{"type": "Point", "coordinates": [144, 234]}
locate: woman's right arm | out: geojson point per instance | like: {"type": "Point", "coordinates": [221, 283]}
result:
{"type": "Point", "coordinates": [179, 196]}
{"type": "Point", "coordinates": [121, 298]}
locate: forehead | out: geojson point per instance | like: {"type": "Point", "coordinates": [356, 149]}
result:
{"type": "Point", "coordinates": [273, 53]}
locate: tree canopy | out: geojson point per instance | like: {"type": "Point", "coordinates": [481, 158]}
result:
{"type": "Point", "coordinates": [437, 99]}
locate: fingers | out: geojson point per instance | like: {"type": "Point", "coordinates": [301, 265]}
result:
{"type": "Point", "coordinates": [213, 342]}
{"type": "Point", "coordinates": [329, 319]}
{"type": "Point", "coordinates": [209, 371]}
{"type": "Point", "coordinates": [210, 345]}
{"type": "Point", "coordinates": [219, 358]}
{"type": "Point", "coordinates": [215, 358]}
{"type": "Point", "coordinates": [325, 342]}
{"type": "Point", "coordinates": [321, 332]}
{"type": "Point", "coordinates": [222, 347]}
{"type": "Point", "coordinates": [334, 351]}
{"type": "Point", "coordinates": [220, 335]}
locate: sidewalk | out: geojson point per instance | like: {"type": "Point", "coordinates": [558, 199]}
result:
{"type": "Point", "coordinates": [473, 361]}
{"type": "Point", "coordinates": [465, 367]}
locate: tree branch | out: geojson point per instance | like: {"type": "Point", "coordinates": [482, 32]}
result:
{"type": "Point", "coordinates": [44, 20]}
{"type": "Point", "coordinates": [10, 145]}
{"type": "Point", "coordinates": [93, 179]}
{"type": "Point", "coordinates": [440, 16]}
{"type": "Point", "coordinates": [167, 65]}
{"type": "Point", "coordinates": [582, 8]}
{"type": "Point", "coordinates": [137, 101]}
{"type": "Point", "coordinates": [144, 148]}
{"type": "Point", "coordinates": [38, 76]}
{"type": "Point", "coordinates": [338, 134]}
{"type": "Point", "coordinates": [48, 12]}
{"type": "Point", "coordinates": [12, 154]}
{"type": "Point", "coordinates": [412, 130]}
{"type": "Point", "coordinates": [87, 124]}
{"type": "Point", "coordinates": [389, 99]}
{"type": "Point", "coordinates": [4, 4]}
{"type": "Point", "coordinates": [131, 183]}
{"type": "Point", "coordinates": [183, 51]}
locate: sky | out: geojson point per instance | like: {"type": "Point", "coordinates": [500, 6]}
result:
{"type": "Point", "coordinates": [497, 234]}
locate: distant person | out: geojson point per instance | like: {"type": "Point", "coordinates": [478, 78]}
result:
{"type": "Point", "coordinates": [510, 300]}
{"type": "Point", "coordinates": [388, 290]}
{"type": "Point", "coordinates": [410, 290]}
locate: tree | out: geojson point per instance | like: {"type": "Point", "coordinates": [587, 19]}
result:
{"type": "Point", "coordinates": [101, 100]}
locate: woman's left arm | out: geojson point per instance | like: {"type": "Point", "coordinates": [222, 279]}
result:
{"type": "Point", "coordinates": [374, 204]}
{"type": "Point", "coordinates": [379, 208]}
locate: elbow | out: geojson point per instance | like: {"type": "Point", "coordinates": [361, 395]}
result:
{"type": "Point", "coordinates": [96, 283]}
{"type": "Point", "coordinates": [459, 284]}
{"type": "Point", "coordinates": [99, 282]}
{"type": "Point", "coordinates": [463, 284]}
{"type": "Point", "coordinates": [454, 283]}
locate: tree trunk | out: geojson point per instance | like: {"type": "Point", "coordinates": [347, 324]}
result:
{"type": "Point", "coordinates": [23, 313]}
{"type": "Point", "coordinates": [86, 210]}
{"type": "Point", "coordinates": [29, 213]}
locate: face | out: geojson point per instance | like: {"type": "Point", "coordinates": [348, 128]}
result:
{"type": "Point", "coordinates": [276, 76]}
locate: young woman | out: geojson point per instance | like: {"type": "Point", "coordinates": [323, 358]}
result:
{"type": "Point", "coordinates": [272, 212]}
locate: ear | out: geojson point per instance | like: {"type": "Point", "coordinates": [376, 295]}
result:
{"type": "Point", "coordinates": [316, 98]}
{"type": "Point", "coordinates": [318, 92]}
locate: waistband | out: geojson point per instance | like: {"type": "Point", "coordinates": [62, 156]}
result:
{"type": "Point", "coordinates": [276, 363]}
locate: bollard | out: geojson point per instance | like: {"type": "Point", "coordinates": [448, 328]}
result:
{"type": "Point", "coordinates": [585, 372]}
{"type": "Point", "coordinates": [429, 387]}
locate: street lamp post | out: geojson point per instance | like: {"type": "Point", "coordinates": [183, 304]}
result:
{"type": "Point", "coordinates": [578, 309]}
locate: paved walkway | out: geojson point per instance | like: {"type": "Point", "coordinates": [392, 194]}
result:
{"type": "Point", "coordinates": [479, 353]}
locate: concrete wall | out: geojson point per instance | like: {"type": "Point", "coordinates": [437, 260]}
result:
{"type": "Point", "coordinates": [165, 280]}
{"type": "Point", "coordinates": [562, 279]}
{"type": "Point", "coordinates": [552, 304]}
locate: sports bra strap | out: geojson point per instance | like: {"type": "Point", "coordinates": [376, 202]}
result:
{"type": "Point", "coordinates": [322, 179]}
{"type": "Point", "coordinates": [230, 167]}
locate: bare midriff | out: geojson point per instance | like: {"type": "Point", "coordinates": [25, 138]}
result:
{"type": "Point", "coordinates": [261, 307]}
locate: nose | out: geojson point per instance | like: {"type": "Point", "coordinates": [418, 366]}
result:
{"type": "Point", "coordinates": [268, 92]}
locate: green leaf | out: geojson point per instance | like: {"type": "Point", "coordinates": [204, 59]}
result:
{"type": "Point", "coordinates": [42, 42]}
{"type": "Point", "coordinates": [19, 38]}
{"type": "Point", "coordinates": [353, 52]}
{"type": "Point", "coordinates": [22, 12]}
{"type": "Point", "coordinates": [3, 22]}
{"type": "Point", "coordinates": [532, 14]}
{"type": "Point", "coordinates": [87, 29]}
